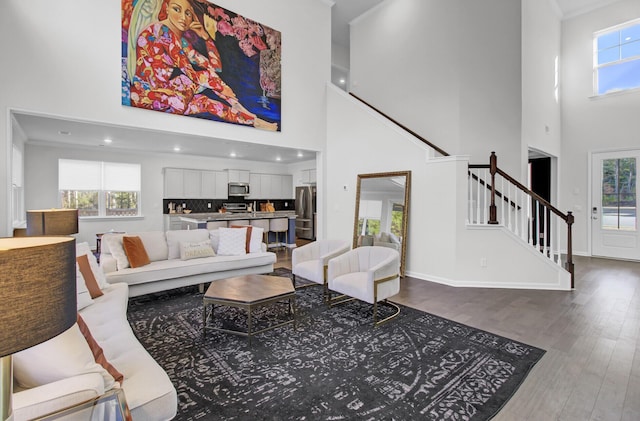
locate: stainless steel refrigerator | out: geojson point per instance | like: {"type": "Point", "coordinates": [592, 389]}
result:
{"type": "Point", "coordinates": [305, 210]}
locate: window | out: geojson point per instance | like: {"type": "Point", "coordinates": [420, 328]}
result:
{"type": "Point", "coordinates": [619, 194]}
{"type": "Point", "coordinates": [617, 58]}
{"type": "Point", "coordinates": [99, 189]}
{"type": "Point", "coordinates": [370, 213]}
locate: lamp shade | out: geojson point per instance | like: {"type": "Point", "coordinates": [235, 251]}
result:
{"type": "Point", "coordinates": [52, 222]}
{"type": "Point", "coordinates": [37, 290]}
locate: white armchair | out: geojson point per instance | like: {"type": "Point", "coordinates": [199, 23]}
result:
{"type": "Point", "coordinates": [368, 274]}
{"type": "Point", "coordinates": [310, 260]}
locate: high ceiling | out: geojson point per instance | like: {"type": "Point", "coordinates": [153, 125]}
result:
{"type": "Point", "coordinates": [39, 129]}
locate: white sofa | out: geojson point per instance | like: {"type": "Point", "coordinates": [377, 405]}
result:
{"type": "Point", "coordinates": [167, 270]}
{"type": "Point", "coordinates": [58, 373]}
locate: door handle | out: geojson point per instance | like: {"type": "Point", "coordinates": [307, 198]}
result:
{"type": "Point", "coordinates": [594, 213]}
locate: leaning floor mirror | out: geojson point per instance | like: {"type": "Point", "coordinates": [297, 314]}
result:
{"type": "Point", "coordinates": [382, 210]}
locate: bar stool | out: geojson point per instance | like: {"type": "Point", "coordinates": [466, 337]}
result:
{"type": "Point", "coordinates": [279, 225]}
{"type": "Point", "coordinates": [212, 225]}
{"type": "Point", "coordinates": [264, 224]}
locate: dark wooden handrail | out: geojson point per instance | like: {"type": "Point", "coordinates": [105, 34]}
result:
{"type": "Point", "coordinates": [405, 128]}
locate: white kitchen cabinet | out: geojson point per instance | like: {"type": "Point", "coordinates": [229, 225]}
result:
{"type": "Point", "coordinates": [208, 188]}
{"type": "Point", "coordinates": [192, 184]}
{"type": "Point", "coordinates": [214, 185]}
{"type": "Point", "coordinates": [182, 183]}
{"type": "Point", "coordinates": [238, 176]}
{"type": "Point", "coordinates": [308, 176]}
{"type": "Point", "coordinates": [271, 186]}
{"type": "Point", "coordinates": [286, 183]}
{"type": "Point", "coordinates": [265, 186]}
{"type": "Point", "coordinates": [276, 187]}
{"type": "Point", "coordinates": [255, 190]}
{"type": "Point", "coordinates": [222, 185]}
{"type": "Point", "coordinates": [174, 183]}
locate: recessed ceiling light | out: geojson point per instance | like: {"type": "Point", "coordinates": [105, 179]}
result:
{"type": "Point", "coordinates": [232, 154]}
{"type": "Point", "coordinates": [300, 155]}
{"type": "Point", "coordinates": [107, 140]}
{"type": "Point", "coordinates": [278, 158]}
{"type": "Point", "coordinates": [176, 148]}
{"type": "Point", "coordinates": [64, 132]}
{"type": "Point", "coordinates": [342, 81]}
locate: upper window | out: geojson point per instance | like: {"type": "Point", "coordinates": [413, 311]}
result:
{"type": "Point", "coordinates": [99, 189]}
{"type": "Point", "coordinates": [617, 58]}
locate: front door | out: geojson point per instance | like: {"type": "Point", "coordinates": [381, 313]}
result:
{"type": "Point", "coordinates": [614, 222]}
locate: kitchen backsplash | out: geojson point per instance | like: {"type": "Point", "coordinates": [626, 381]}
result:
{"type": "Point", "coordinates": [201, 205]}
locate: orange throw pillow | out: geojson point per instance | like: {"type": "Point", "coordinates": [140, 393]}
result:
{"type": "Point", "coordinates": [135, 251]}
{"type": "Point", "coordinates": [98, 353]}
{"type": "Point", "coordinates": [248, 240]}
{"type": "Point", "coordinates": [89, 279]}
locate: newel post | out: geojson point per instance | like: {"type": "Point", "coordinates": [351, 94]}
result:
{"type": "Point", "coordinates": [569, 265]}
{"type": "Point", "coordinates": [493, 169]}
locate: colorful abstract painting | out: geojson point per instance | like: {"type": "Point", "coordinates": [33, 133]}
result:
{"type": "Point", "coordinates": [193, 58]}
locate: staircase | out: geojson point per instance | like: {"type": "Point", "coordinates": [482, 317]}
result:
{"type": "Point", "coordinates": [497, 200]}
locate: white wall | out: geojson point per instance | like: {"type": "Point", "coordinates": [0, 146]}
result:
{"type": "Point", "coordinates": [439, 245]}
{"type": "Point", "coordinates": [541, 39]}
{"type": "Point", "coordinates": [591, 124]}
{"type": "Point", "coordinates": [67, 63]}
{"type": "Point", "coordinates": [449, 70]}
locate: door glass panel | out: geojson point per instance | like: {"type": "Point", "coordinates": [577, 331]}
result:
{"type": "Point", "coordinates": [619, 204]}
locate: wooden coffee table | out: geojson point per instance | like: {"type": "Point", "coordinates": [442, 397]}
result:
{"type": "Point", "coordinates": [248, 292]}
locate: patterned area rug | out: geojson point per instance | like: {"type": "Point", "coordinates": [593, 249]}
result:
{"type": "Point", "coordinates": [333, 366]}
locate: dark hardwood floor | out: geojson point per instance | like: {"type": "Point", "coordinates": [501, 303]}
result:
{"type": "Point", "coordinates": [591, 370]}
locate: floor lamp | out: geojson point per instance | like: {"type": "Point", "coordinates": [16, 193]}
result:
{"type": "Point", "coordinates": [37, 298]}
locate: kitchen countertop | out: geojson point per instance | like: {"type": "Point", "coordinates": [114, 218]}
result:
{"type": "Point", "coordinates": [227, 216]}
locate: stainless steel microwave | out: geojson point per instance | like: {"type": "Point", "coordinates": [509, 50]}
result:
{"type": "Point", "coordinates": [238, 189]}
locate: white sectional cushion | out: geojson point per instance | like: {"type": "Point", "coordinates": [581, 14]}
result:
{"type": "Point", "coordinates": [65, 355]}
{"type": "Point", "coordinates": [82, 249]}
{"type": "Point", "coordinates": [145, 382]}
{"type": "Point", "coordinates": [82, 293]}
{"type": "Point", "coordinates": [114, 242]}
{"type": "Point", "coordinates": [155, 243]}
{"type": "Point", "coordinates": [172, 269]}
{"type": "Point", "coordinates": [174, 238]}
{"type": "Point", "coordinates": [232, 241]}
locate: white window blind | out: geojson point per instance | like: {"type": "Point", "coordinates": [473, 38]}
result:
{"type": "Point", "coordinates": [79, 175]}
{"type": "Point", "coordinates": [96, 175]}
{"type": "Point", "coordinates": [121, 177]}
{"type": "Point", "coordinates": [370, 209]}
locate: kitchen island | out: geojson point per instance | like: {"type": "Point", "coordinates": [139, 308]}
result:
{"type": "Point", "coordinates": [201, 220]}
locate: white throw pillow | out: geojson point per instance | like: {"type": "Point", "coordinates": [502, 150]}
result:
{"type": "Point", "coordinates": [155, 244]}
{"type": "Point", "coordinates": [82, 293]}
{"type": "Point", "coordinates": [98, 273]}
{"type": "Point", "coordinates": [174, 238]}
{"type": "Point", "coordinates": [63, 356]}
{"type": "Point", "coordinates": [255, 245]}
{"type": "Point", "coordinates": [214, 236]}
{"type": "Point", "coordinates": [232, 241]}
{"type": "Point", "coordinates": [114, 242]}
{"type": "Point", "coordinates": [196, 250]}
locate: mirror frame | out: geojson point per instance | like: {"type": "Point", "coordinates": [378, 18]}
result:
{"type": "Point", "coordinates": [405, 214]}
